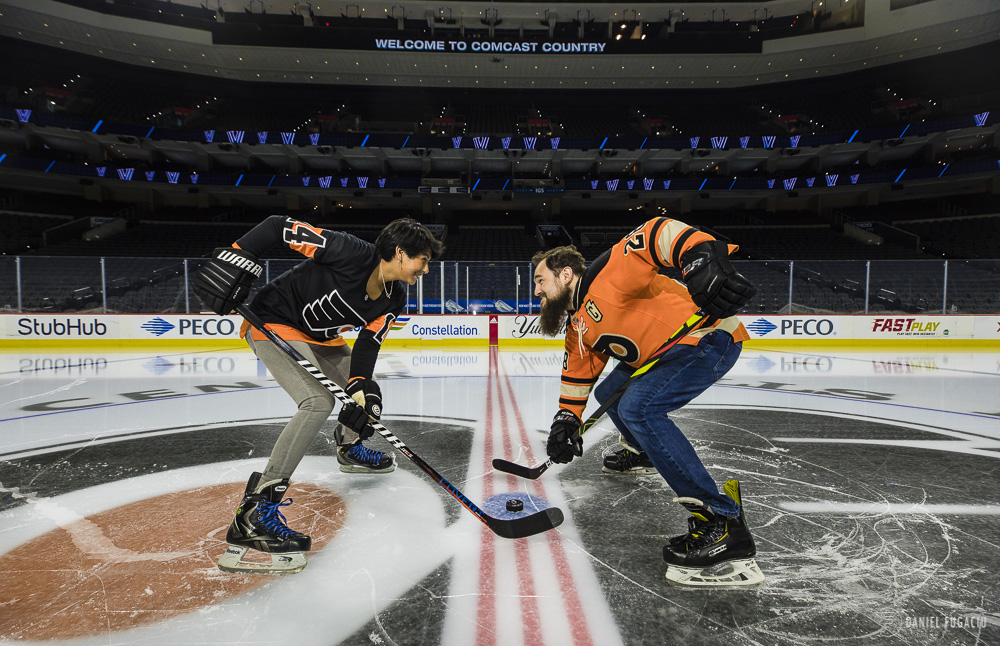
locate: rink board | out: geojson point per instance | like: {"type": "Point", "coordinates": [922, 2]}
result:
{"type": "Point", "coordinates": [508, 331]}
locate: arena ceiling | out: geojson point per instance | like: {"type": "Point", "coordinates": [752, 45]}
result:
{"type": "Point", "coordinates": [887, 36]}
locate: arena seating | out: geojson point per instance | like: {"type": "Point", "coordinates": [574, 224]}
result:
{"type": "Point", "coordinates": [491, 243]}
{"type": "Point", "coordinates": [810, 241]}
{"type": "Point", "coordinates": [961, 237]}
{"type": "Point", "coordinates": [121, 93]}
{"type": "Point", "coordinates": [20, 231]}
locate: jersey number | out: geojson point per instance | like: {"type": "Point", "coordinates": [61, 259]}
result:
{"type": "Point", "coordinates": [636, 243]}
{"type": "Point", "coordinates": [302, 234]}
{"type": "Point", "coordinates": [619, 346]}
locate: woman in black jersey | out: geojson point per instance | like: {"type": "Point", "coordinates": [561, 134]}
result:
{"type": "Point", "coordinates": [344, 283]}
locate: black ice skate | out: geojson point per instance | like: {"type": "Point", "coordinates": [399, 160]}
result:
{"type": "Point", "coordinates": [627, 461]}
{"type": "Point", "coordinates": [260, 525]}
{"type": "Point", "coordinates": [713, 539]}
{"type": "Point", "coordinates": [358, 458]}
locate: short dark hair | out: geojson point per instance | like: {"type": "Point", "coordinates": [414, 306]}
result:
{"type": "Point", "coordinates": [558, 258]}
{"type": "Point", "coordinates": [410, 236]}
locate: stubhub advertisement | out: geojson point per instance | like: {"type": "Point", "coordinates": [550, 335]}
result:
{"type": "Point", "coordinates": [66, 326]}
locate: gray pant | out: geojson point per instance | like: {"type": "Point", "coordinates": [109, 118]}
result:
{"type": "Point", "coordinates": [315, 402]}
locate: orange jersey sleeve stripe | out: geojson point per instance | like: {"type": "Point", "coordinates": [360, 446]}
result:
{"type": "Point", "coordinates": [288, 334]}
{"type": "Point", "coordinates": [381, 326]}
{"type": "Point", "coordinates": [573, 405]}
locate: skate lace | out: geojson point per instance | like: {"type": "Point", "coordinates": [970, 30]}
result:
{"type": "Point", "coordinates": [631, 458]}
{"type": "Point", "coordinates": [273, 520]}
{"type": "Point", "coordinates": [695, 525]}
{"type": "Point", "coordinates": [703, 532]}
{"type": "Point", "coordinates": [362, 453]}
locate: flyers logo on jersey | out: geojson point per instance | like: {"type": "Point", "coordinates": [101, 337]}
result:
{"type": "Point", "coordinates": [592, 310]}
{"type": "Point", "coordinates": [331, 316]}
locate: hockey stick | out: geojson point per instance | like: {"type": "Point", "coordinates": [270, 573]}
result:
{"type": "Point", "coordinates": [536, 523]}
{"type": "Point", "coordinates": [532, 473]}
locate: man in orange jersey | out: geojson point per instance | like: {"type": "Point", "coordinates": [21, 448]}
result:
{"type": "Point", "coordinates": [622, 306]}
{"type": "Point", "coordinates": [344, 283]}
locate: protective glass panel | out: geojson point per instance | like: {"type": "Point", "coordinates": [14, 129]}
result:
{"type": "Point", "coordinates": [906, 287]}
{"type": "Point", "coordinates": [973, 287]}
{"type": "Point", "coordinates": [147, 285]}
{"type": "Point", "coordinates": [828, 286]}
{"type": "Point", "coordinates": [8, 284]}
{"type": "Point", "coordinates": [771, 280]}
{"type": "Point", "coordinates": [61, 284]}
{"type": "Point", "coordinates": [493, 287]}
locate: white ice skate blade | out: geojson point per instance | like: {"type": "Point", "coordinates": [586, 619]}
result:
{"type": "Point", "coordinates": [743, 573]}
{"type": "Point", "coordinates": [285, 563]}
{"type": "Point", "coordinates": [350, 468]}
{"type": "Point", "coordinates": [634, 471]}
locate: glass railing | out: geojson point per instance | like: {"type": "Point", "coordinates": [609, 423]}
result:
{"type": "Point", "coordinates": [162, 285]}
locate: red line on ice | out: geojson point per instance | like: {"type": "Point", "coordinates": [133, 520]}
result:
{"type": "Point", "coordinates": [574, 608]}
{"type": "Point", "coordinates": [526, 585]}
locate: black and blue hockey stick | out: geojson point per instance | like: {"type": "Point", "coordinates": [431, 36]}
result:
{"type": "Point", "coordinates": [536, 523]}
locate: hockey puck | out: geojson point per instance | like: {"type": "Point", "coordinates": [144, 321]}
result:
{"type": "Point", "coordinates": [514, 505]}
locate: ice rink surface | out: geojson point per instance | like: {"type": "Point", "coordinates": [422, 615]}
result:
{"type": "Point", "coordinates": [870, 480]}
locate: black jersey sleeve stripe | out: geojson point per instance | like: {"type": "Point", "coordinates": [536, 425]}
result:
{"type": "Point", "coordinates": [578, 380]}
{"type": "Point", "coordinates": [679, 244]}
{"type": "Point", "coordinates": [654, 243]}
{"type": "Point", "coordinates": [364, 354]}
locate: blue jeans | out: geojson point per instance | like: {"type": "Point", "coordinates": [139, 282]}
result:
{"type": "Point", "coordinates": [641, 414]}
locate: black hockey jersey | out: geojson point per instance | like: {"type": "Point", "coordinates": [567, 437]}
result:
{"type": "Point", "coordinates": [325, 295]}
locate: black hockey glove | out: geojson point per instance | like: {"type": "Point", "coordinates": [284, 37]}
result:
{"type": "Point", "coordinates": [714, 284]}
{"type": "Point", "coordinates": [564, 437]}
{"type": "Point", "coordinates": [367, 405]}
{"type": "Point", "coordinates": [223, 282]}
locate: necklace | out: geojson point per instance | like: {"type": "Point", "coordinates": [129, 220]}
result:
{"type": "Point", "coordinates": [386, 288]}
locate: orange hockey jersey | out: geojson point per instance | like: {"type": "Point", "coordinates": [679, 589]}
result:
{"type": "Point", "coordinates": [623, 307]}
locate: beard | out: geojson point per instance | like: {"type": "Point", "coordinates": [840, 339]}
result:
{"type": "Point", "coordinates": [553, 314]}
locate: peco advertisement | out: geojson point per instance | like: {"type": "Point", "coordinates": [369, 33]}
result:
{"type": "Point", "coordinates": [796, 327]}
